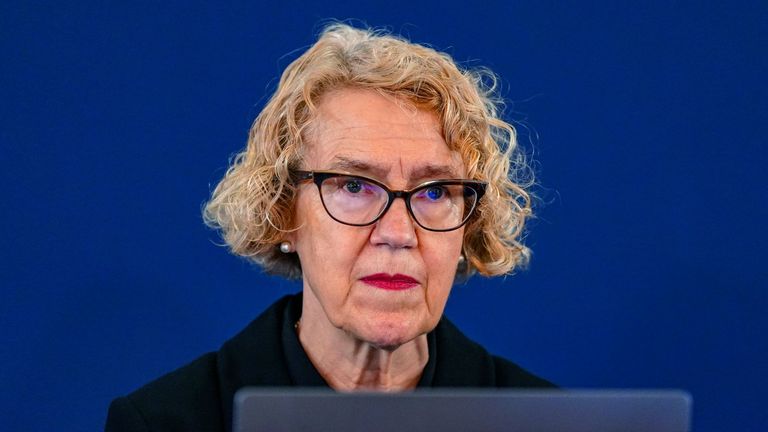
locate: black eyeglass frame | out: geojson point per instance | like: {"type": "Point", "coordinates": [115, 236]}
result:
{"type": "Point", "coordinates": [318, 177]}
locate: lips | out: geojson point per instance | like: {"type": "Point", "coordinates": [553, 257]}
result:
{"type": "Point", "coordinates": [397, 282]}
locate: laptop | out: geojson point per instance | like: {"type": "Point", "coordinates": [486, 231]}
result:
{"type": "Point", "coordinates": [462, 410]}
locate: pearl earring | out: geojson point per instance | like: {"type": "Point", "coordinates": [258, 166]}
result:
{"type": "Point", "coordinates": [462, 259]}
{"type": "Point", "coordinates": [286, 247]}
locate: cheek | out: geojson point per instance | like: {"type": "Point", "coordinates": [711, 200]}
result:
{"type": "Point", "coordinates": [442, 259]}
{"type": "Point", "coordinates": [312, 226]}
{"type": "Point", "coordinates": [327, 249]}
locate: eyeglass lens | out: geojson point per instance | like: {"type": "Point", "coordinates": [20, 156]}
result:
{"type": "Point", "coordinates": [353, 200]}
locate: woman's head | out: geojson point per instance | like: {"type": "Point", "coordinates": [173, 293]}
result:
{"type": "Point", "coordinates": [255, 204]}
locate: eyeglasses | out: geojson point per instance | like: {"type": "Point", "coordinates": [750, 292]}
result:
{"type": "Point", "coordinates": [439, 205]}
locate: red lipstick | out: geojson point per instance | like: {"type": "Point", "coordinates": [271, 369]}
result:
{"type": "Point", "coordinates": [390, 282]}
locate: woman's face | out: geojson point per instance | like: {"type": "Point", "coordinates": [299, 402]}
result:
{"type": "Point", "coordinates": [347, 269]}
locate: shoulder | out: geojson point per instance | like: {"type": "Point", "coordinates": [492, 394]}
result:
{"type": "Point", "coordinates": [199, 396]}
{"type": "Point", "coordinates": [509, 374]}
{"type": "Point", "coordinates": [185, 399]}
{"type": "Point", "coordinates": [463, 362]}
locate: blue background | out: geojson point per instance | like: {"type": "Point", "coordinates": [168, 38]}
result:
{"type": "Point", "coordinates": [647, 121]}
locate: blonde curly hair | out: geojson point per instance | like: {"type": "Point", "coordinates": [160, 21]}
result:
{"type": "Point", "coordinates": [253, 204]}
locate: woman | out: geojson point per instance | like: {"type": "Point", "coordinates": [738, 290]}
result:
{"type": "Point", "coordinates": [377, 171]}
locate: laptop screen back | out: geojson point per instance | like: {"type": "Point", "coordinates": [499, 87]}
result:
{"type": "Point", "coordinates": [294, 410]}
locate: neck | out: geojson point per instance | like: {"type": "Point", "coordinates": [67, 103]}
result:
{"type": "Point", "coordinates": [347, 363]}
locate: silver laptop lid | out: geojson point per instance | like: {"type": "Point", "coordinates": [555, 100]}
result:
{"type": "Point", "coordinates": [460, 410]}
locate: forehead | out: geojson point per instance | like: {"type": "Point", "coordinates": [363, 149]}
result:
{"type": "Point", "coordinates": [363, 131]}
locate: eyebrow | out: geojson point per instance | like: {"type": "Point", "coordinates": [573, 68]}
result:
{"type": "Point", "coordinates": [357, 166]}
{"type": "Point", "coordinates": [424, 172]}
{"type": "Point", "coordinates": [433, 172]}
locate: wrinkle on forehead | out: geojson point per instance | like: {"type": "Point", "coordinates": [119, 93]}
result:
{"type": "Point", "coordinates": [334, 127]}
{"type": "Point", "coordinates": [354, 131]}
{"type": "Point", "coordinates": [333, 114]}
{"type": "Point", "coordinates": [413, 171]}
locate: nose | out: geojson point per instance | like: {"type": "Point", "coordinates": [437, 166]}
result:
{"type": "Point", "coordinates": [396, 228]}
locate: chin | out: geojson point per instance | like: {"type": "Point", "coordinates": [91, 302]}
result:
{"type": "Point", "coordinates": [389, 336]}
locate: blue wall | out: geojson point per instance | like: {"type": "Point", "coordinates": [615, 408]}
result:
{"type": "Point", "coordinates": [648, 124]}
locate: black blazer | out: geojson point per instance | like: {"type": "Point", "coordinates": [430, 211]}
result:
{"type": "Point", "coordinates": [199, 396]}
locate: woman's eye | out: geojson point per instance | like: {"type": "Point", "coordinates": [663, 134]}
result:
{"type": "Point", "coordinates": [356, 186]}
{"type": "Point", "coordinates": [435, 193]}
{"type": "Point", "coordinates": [353, 186]}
